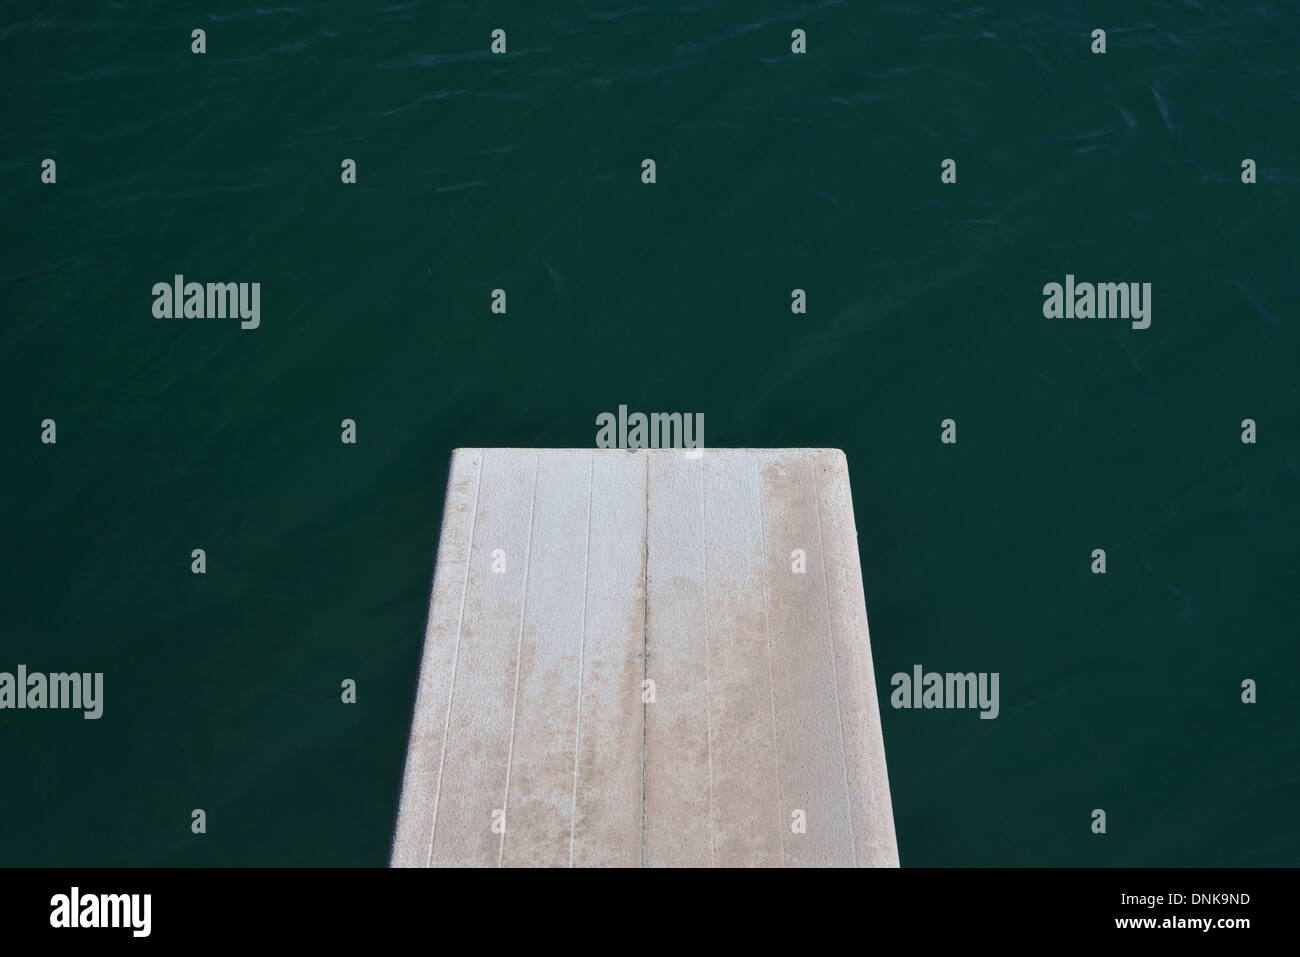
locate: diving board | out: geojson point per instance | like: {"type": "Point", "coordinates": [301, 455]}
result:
{"type": "Point", "coordinates": [652, 658]}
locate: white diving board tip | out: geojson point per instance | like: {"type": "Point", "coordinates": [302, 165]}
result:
{"type": "Point", "coordinates": [651, 658]}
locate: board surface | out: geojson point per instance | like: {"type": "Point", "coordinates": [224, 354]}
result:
{"type": "Point", "coordinates": [646, 658]}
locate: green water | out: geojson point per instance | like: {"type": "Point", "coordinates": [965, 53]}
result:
{"type": "Point", "coordinates": [775, 172]}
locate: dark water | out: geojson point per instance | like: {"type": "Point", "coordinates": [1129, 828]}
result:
{"type": "Point", "coordinates": [775, 172]}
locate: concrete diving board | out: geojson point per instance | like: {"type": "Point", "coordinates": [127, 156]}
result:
{"type": "Point", "coordinates": [644, 658]}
